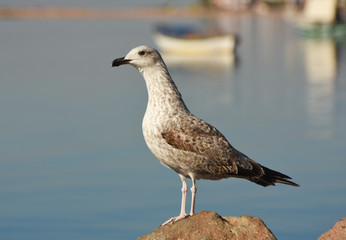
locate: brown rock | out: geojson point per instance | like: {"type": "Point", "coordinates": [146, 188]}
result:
{"type": "Point", "coordinates": [337, 232]}
{"type": "Point", "coordinates": [209, 225]}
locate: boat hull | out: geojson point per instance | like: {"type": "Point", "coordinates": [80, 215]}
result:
{"type": "Point", "coordinates": [196, 46]}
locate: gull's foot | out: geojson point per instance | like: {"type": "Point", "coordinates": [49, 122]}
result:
{"type": "Point", "coordinates": [175, 219]}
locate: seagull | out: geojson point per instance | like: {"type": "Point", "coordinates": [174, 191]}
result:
{"type": "Point", "coordinates": [193, 148]}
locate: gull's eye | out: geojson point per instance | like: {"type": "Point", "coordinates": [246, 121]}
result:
{"type": "Point", "coordinates": [141, 53]}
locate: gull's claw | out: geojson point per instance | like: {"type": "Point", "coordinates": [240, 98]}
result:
{"type": "Point", "coordinates": [175, 219]}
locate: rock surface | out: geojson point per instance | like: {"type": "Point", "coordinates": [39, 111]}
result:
{"type": "Point", "coordinates": [337, 232]}
{"type": "Point", "coordinates": [209, 225]}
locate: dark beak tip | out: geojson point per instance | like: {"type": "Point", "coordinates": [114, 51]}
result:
{"type": "Point", "coordinates": [114, 64]}
{"type": "Point", "coordinates": [120, 61]}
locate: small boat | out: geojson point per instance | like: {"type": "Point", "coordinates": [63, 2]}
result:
{"type": "Point", "coordinates": [185, 40]}
{"type": "Point", "coordinates": [319, 19]}
{"type": "Point", "coordinates": [323, 30]}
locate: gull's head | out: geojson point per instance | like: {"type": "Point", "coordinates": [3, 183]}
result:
{"type": "Point", "coordinates": [140, 57]}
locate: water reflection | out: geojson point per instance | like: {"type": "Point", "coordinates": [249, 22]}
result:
{"type": "Point", "coordinates": [321, 69]}
{"type": "Point", "coordinates": [214, 63]}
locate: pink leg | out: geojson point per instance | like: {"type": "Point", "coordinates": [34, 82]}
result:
{"type": "Point", "coordinates": [183, 203]}
{"type": "Point", "coordinates": [193, 194]}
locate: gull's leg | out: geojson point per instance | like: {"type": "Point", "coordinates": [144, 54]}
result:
{"type": "Point", "coordinates": [183, 197]}
{"type": "Point", "coordinates": [183, 203]}
{"type": "Point", "coordinates": [193, 194]}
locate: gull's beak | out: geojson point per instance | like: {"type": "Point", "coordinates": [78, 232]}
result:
{"type": "Point", "coordinates": [120, 61]}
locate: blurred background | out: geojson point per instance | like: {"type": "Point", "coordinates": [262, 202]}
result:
{"type": "Point", "coordinates": [270, 75]}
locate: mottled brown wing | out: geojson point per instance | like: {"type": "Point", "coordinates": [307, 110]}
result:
{"type": "Point", "coordinates": [203, 139]}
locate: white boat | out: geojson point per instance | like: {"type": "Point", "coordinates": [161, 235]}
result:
{"type": "Point", "coordinates": [181, 41]}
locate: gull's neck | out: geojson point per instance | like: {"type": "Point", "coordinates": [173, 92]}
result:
{"type": "Point", "coordinates": [163, 95]}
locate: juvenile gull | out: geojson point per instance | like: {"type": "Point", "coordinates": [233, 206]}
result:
{"type": "Point", "coordinates": [182, 141]}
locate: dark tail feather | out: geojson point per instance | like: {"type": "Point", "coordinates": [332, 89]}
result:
{"type": "Point", "coordinates": [271, 177]}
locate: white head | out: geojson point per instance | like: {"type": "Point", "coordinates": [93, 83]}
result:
{"type": "Point", "coordinates": [140, 57]}
{"type": "Point", "coordinates": [159, 83]}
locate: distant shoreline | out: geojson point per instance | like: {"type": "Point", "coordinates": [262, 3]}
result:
{"type": "Point", "coordinates": [99, 13]}
{"type": "Point", "coordinates": [31, 13]}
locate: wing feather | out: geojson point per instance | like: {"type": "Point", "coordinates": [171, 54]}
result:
{"type": "Point", "coordinates": [203, 139]}
{"type": "Point", "coordinates": [220, 159]}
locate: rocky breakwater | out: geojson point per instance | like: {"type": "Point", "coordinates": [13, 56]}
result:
{"type": "Point", "coordinates": [210, 225]}
{"type": "Point", "coordinates": [337, 232]}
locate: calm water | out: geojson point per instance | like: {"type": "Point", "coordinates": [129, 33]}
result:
{"type": "Point", "coordinates": [74, 164]}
